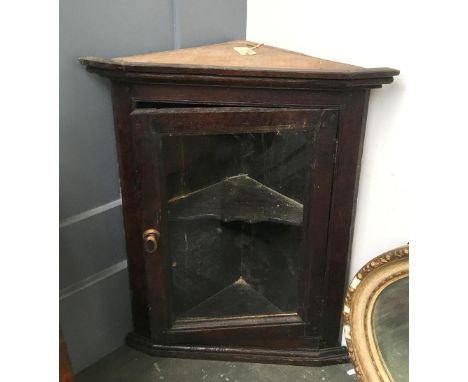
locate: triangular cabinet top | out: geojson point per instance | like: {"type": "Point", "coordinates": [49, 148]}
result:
{"type": "Point", "coordinates": [223, 60]}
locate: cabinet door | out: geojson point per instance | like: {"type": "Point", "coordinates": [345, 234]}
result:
{"type": "Point", "coordinates": [234, 210]}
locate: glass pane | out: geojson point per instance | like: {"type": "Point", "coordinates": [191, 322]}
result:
{"type": "Point", "coordinates": [235, 221]}
{"type": "Point", "coordinates": [390, 320]}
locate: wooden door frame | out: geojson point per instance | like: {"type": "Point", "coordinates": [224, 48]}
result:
{"type": "Point", "coordinates": [150, 125]}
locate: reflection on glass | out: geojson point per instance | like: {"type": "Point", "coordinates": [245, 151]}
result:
{"type": "Point", "coordinates": [391, 328]}
{"type": "Point", "coordinates": [235, 206]}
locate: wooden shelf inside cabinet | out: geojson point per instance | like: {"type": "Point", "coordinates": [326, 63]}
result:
{"type": "Point", "coordinates": [237, 198]}
{"type": "Point", "coordinates": [235, 298]}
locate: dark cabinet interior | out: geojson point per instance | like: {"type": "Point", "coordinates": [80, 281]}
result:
{"type": "Point", "coordinates": [238, 178]}
{"type": "Point", "coordinates": [235, 208]}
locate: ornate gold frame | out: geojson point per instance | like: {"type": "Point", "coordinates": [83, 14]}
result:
{"type": "Point", "coordinates": [362, 294]}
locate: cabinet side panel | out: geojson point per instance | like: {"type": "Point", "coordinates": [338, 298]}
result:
{"type": "Point", "coordinates": [344, 196]}
{"type": "Point", "coordinates": [317, 218]}
{"type": "Point", "coordinates": [131, 195]}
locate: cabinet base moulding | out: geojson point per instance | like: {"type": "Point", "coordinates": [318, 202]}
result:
{"type": "Point", "coordinates": [299, 357]}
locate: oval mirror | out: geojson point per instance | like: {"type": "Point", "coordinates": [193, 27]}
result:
{"type": "Point", "coordinates": [376, 318]}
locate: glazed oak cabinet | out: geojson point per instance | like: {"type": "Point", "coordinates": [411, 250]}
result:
{"type": "Point", "coordinates": [239, 167]}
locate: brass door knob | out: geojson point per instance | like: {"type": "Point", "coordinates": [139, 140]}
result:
{"type": "Point", "coordinates": [150, 240]}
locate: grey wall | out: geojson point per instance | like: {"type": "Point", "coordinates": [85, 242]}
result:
{"type": "Point", "coordinates": [94, 298]}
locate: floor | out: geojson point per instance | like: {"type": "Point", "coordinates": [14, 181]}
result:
{"type": "Point", "coordinates": [126, 364]}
